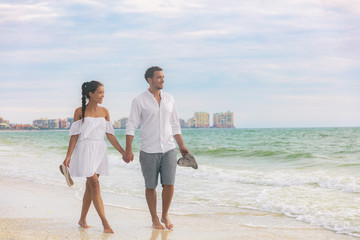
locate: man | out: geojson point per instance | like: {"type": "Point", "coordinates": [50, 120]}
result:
{"type": "Point", "coordinates": [155, 111]}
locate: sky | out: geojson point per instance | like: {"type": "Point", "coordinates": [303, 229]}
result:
{"type": "Point", "coordinates": [272, 63]}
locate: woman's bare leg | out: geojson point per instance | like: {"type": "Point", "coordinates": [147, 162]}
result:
{"type": "Point", "coordinates": [85, 205]}
{"type": "Point", "coordinates": [98, 203]}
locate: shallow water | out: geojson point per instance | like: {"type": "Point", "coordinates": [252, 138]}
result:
{"type": "Point", "coordinates": [311, 174]}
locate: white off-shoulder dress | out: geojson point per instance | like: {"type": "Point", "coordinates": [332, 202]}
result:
{"type": "Point", "coordinates": [90, 153]}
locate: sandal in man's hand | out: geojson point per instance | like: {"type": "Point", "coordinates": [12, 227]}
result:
{"type": "Point", "coordinates": [187, 161]}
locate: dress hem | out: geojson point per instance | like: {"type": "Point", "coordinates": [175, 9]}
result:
{"type": "Point", "coordinates": [104, 174]}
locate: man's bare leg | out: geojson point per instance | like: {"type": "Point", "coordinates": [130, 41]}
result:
{"type": "Point", "coordinates": [167, 194]}
{"type": "Point", "coordinates": [151, 201]}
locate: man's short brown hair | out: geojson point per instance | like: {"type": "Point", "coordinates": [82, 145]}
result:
{"type": "Point", "coordinates": [150, 72]}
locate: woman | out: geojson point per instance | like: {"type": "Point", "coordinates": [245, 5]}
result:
{"type": "Point", "coordinates": [87, 151]}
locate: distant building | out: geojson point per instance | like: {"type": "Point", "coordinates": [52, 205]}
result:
{"type": "Point", "coordinates": [223, 120]}
{"type": "Point", "coordinates": [4, 124]}
{"type": "Point", "coordinates": [117, 124]}
{"type": "Point", "coordinates": [62, 123]}
{"type": "Point", "coordinates": [121, 123]}
{"type": "Point", "coordinates": [22, 127]}
{"type": "Point", "coordinates": [190, 123]}
{"type": "Point", "coordinates": [182, 123]}
{"type": "Point", "coordinates": [200, 120]}
{"type": "Point", "coordinates": [41, 123]}
{"type": "Point", "coordinates": [53, 123]}
{"type": "Point", "coordinates": [70, 121]}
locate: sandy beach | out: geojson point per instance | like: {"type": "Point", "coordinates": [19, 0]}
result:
{"type": "Point", "coordinates": [35, 211]}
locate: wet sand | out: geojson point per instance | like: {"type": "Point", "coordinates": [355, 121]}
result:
{"type": "Point", "coordinates": [35, 211]}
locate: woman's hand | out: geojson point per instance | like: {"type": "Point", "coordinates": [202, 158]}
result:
{"type": "Point", "coordinates": [67, 161]}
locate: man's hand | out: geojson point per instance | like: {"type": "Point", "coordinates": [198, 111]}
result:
{"type": "Point", "coordinates": [183, 150]}
{"type": "Point", "coordinates": [180, 142]}
{"type": "Point", "coordinates": [128, 156]}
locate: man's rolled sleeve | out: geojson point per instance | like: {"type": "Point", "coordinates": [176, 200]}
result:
{"type": "Point", "coordinates": [134, 119]}
{"type": "Point", "coordinates": [175, 123]}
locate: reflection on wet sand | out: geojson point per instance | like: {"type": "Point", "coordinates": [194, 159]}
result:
{"type": "Point", "coordinates": [164, 234]}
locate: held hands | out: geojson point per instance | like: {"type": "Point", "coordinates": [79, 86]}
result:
{"type": "Point", "coordinates": [128, 156]}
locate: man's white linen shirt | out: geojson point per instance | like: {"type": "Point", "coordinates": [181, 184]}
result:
{"type": "Point", "coordinates": [158, 123]}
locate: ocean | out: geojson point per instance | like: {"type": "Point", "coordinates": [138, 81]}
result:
{"type": "Point", "coordinates": [308, 174]}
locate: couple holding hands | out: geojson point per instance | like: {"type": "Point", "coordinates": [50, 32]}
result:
{"type": "Point", "coordinates": [86, 157]}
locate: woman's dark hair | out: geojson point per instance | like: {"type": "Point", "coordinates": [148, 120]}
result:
{"type": "Point", "coordinates": [150, 72]}
{"type": "Point", "coordinates": [88, 87]}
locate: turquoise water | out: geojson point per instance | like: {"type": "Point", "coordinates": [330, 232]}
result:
{"type": "Point", "coordinates": [310, 174]}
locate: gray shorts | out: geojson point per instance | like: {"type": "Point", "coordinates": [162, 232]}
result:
{"type": "Point", "coordinates": [154, 163]}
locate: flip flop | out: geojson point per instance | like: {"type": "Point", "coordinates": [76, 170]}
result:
{"type": "Point", "coordinates": [188, 161]}
{"type": "Point", "coordinates": [65, 172]}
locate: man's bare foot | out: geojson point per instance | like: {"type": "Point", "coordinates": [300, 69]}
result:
{"type": "Point", "coordinates": [166, 221]}
{"type": "Point", "coordinates": [157, 224]}
{"type": "Point", "coordinates": [107, 228]}
{"type": "Point", "coordinates": [83, 224]}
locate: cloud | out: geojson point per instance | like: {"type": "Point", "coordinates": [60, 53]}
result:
{"type": "Point", "coordinates": [20, 13]}
{"type": "Point", "coordinates": [232, 55]}
{"type": "Point", "coordinates": [351, 6]}
{"type": "Point", "coordinates": [163, 7]}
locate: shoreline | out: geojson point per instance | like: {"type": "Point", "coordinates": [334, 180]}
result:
{"type": "Point", "coordinates": [31, 210]}
{"type": "Point", "coordinates": [190, 128]}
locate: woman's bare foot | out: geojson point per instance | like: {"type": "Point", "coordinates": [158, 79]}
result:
{"type": "Point", "coordinates": [157, 224]}
{"type": "Point", "coordinates": [83, 224]}
{"type": "Point", "coordinates": [107, 228]}
{"type": "Point", "coordinates": [166, 221]}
